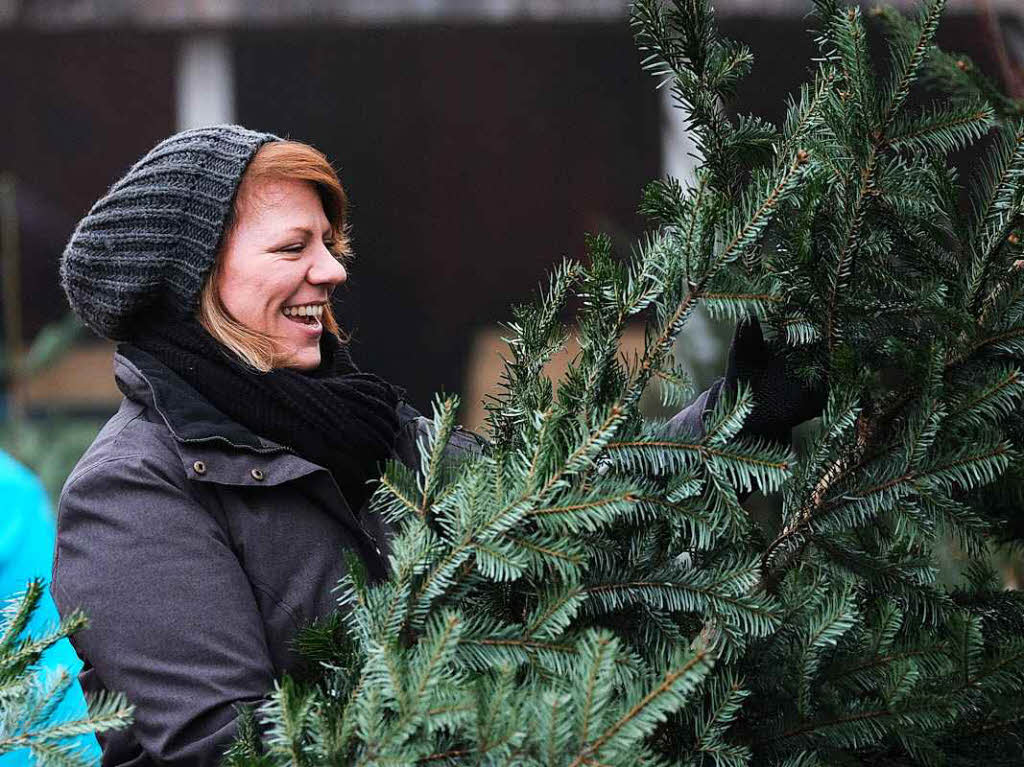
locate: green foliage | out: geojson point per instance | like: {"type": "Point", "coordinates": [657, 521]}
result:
{"type": "Point", "coordinates": [51, 445]}
{"type": "Point", "coordinates": [49, 344]}
{"type": "Point", "coordinates": [590, 590]}
{"type": "Point", "coordinates": [28, 698]}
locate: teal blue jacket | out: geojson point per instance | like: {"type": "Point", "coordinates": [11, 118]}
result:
{"type": "Point", "coordinates": [26, 551]}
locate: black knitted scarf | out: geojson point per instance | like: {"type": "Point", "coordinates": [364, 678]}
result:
{"type": "Point", "coordinates": [334, 416]}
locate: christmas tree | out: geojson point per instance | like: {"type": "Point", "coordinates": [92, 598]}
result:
{"type": "Point", "coordinates": [590, 590]}
{"type": "Point", "coordinates": [28, 698]}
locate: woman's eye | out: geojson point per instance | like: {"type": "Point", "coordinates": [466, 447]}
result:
{"type": "Point", "coordinates": [298, 248]}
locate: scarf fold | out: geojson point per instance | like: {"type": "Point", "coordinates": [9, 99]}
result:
{"type": "Point", "coordinates": [334, 416]}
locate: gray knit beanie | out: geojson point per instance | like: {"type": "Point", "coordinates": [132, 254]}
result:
{"type": "Point", "coordinates": [150, 241]}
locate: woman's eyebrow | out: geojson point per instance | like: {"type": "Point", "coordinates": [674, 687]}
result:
{"type": "Point", "coordinates": [306, 230]}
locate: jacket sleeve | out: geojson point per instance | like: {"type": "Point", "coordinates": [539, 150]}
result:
{"type": "Point", "coordinates": [689, 420]}
{"type": "Point", "coordinates": [416, 428]}
{"type": "Point", "coordinates": [173, 620]}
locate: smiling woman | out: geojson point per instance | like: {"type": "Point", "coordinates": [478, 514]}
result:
{"type": "Point", "coordinates": [285, 243]}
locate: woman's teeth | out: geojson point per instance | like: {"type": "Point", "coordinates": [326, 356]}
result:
{"type": "Point", "coordinates": [307, 314]}
{"type": "Point", "coordinates": [306, 310]}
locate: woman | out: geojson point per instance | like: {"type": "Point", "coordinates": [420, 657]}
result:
{"type": "Point", "coordinates": [206, 522]}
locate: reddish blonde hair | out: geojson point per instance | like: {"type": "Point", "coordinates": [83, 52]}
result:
{"type": "Point", "coordinates": [276, 160]}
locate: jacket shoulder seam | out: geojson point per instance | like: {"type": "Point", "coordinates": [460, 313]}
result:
{"type": "Point", "coordinates": [86, 470]}
{"type": "Point", "coordinates": [136, 452]}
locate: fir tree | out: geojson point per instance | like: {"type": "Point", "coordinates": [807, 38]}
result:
{"type": "Point", "coordinates": [28, 698]}
{"type": "Point", "coordinates": [591, 591]}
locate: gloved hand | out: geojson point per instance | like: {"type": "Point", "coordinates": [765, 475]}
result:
{"type": "Point", "coordinates": [781, 400]}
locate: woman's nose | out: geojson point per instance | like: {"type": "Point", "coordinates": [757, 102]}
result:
{"type": "Point", "coordinates": [326, 269]}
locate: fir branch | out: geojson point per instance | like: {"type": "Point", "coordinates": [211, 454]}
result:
{"type": "Point", "coordinates": [573, 557]}
{"type": "Point", "coordinates": [908, 64]}
{"type": "Point", "coordinates": [675, 386]}
{"type": "Point", "coordinates": [755, 224]}
{"type": "Point", "coordinates": [738, 306]}
{"type": "Point", "coordinates": [846, 32]}
{"type": "Point", "coordinates": [569, 515]}
{"type": "Point", "coordinates": [545, 427]}
{"type": "Point", "coordinates": [17, 611]}
{"type": "Point", "coordinates": [941, 130]}
{"type": "Point", "coordinates": [729, 414]}
{"type": "Point", "coordinates": [884, 716]}
{"type": "Point", "coordinates": [554, 613]}
{"type": "Point", "coordinates": [996, 215]}
{"type": "Point", "coordinates": [844, 266]}
{"type": "Point", "coordinates": [804, 114]}
{"type": "Point", "coordinates": [526, 644]}
{"type": "Point", "coordinates": [107, 711]}
{"type": "Point", "coordinates": [437, 646]}
{"type": "Point", "coordinates": [965, 470]}
{"type": "Point", "coordinates": [688, 243]}
{"type": "Point", "coordinates": [836, 616]}
{"type": "Point", "coordinates": [746, 234]}
{"type": "Point", "coordinates": [437, 577]}
{"type": "Point", "coordinates": [433, 461]}
{"type": "Point", "coordinates": [699, 448]}
{"type": "Point", "coordinates": [725, 592]}
{"type": "Point", "coordinates": [652, 708]}
{"type": "Point", "coordinates": [999, 178]}
{"type": "Point", "coordinates": [995, 399]}
{"type": "Point", "coordinates": [1012, 660]}
{"type": "Point", "coordinates": [727, 698]}
{"type": "Point", "coordinates": [877, 661]}
{"type": "Point", "coordinates": [702, 528]}
{"type": "Point", "coordinates": [395, 498]}
{"type": "Point", "coordinates": [601, 651]}
{"type": "Point", "coordinates": [984, 343]}
{"type": "Point", "coordinates": [446, 756]}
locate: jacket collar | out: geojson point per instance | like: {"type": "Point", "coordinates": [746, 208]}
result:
{"type": "Point", "coordinates": [188, 415]}
{"type": "Point", "coordinates": [203, 432]}
{"type": "Point", "coordinates": [212, 447]}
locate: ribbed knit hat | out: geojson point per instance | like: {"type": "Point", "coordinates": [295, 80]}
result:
{"type": "Point", "coordinates": [150, 241]}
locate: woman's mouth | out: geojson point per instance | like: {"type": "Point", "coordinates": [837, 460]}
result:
{"type": "Point", "coordinates": [307, 315]}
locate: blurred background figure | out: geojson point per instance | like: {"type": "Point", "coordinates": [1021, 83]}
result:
{"type": "Point", "coordinates": [26, 550]}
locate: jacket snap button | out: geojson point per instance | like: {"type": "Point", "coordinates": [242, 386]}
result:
{"type": "Point", "coordinates": [257, 474]}
{"type": "Point", "coordinates": [199, 467]}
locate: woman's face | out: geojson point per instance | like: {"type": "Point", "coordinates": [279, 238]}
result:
{"type": "Point", "coordinates": [276, 271]}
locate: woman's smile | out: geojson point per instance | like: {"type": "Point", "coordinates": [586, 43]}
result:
{"type": "Point", "coordinates": [307, 317]}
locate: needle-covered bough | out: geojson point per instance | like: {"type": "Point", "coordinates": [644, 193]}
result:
{"type": "Point", "coordinates": [589, 589]}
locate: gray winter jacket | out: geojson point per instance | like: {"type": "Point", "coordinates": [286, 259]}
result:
{"type": "Point", "coordinates": [197, 549]}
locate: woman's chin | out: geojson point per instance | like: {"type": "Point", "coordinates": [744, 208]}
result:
{"type": "Point", "coordinates": [303, 359]}
{"type": "Point", "coordinates": [302, 343]}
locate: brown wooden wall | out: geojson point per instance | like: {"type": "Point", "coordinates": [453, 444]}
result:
{"type": "Point", "coordinates": [77, 110]}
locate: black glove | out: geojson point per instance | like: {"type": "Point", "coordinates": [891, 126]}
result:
{"type": "Point", "coordinates": [781, 400]}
